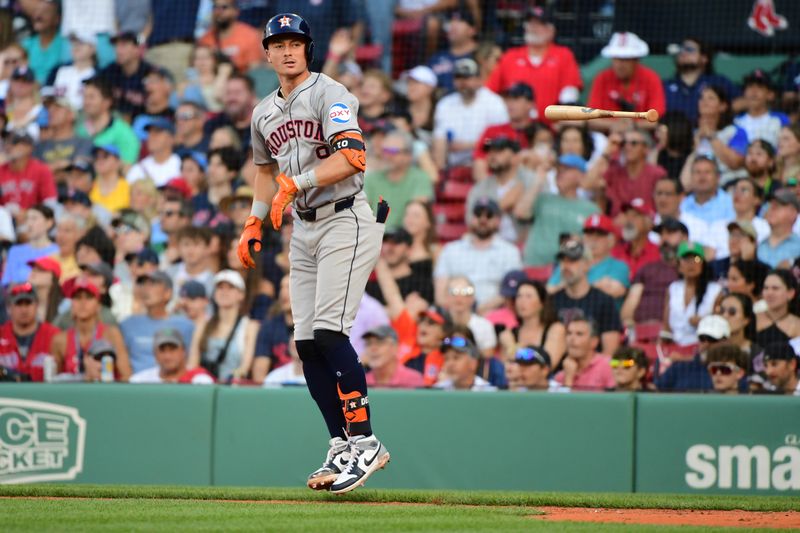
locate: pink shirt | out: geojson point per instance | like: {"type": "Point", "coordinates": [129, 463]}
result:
{"type": "Point", "coordinates": [403, 378]}
{"type": "Point", "coordinates": [596, 376]}
{"type": "Point", "coordinates": [504, 316]}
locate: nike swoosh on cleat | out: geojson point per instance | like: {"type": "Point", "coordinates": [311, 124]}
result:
{"type": "Point", "coordinates": [369, 463]}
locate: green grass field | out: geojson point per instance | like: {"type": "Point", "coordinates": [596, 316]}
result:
{"type": "Point", "coordinates": [134, 508]}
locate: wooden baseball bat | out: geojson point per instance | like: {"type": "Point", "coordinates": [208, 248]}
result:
{"type": "Point", "coordinates": [574, 112]}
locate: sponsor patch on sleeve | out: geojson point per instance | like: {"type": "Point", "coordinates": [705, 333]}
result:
{"type": "Point", "coordinates": [339, 113]}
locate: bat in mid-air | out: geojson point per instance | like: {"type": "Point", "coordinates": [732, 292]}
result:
{"type": "Point", "coordinates": [574, 112]}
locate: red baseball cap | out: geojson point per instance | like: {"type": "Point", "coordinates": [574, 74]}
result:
{"type": "Point", "coordinates": [48, 264]}
{"type": "Point", "coordinates": [600, 223]}
{"type": "Point", "coordinates": [640, 206]}
{"type": "Point", "coordinates": [179, 185]}
{"type": "Point", "coordinates": [81, 284]}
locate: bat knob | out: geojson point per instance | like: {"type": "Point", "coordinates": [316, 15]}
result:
{"type": "Point", "coordinates": [651, 115]}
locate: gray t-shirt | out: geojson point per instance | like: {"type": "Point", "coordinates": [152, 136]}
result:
{"type": "Point", "coordinates": [296, 133]}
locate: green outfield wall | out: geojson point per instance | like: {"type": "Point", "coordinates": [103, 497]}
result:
{"type": "Point", "coordinates": [158, 434]}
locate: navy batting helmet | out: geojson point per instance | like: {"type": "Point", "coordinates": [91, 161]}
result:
{"type": "Point", "coordinates": [285, 23]}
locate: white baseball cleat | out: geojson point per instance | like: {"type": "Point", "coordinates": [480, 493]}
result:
{"type": "Point", "coordinates": [367, 455]}
{"type": "Point", "coordinates": [336, 461]}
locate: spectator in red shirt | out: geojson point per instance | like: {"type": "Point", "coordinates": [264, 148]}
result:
{"type": "Point", "coordinates": [520, 102]}
{"type": "Point", "coordinates": [382, 358]}
{"type": "Point", "coordinates": [24, 180]}
{"type": "Point", "coordinates": [549, 68]}
{"type": "Point", "coordinates": [584, 367]}
{"type": "Point", "coordinates": [636, 249]}
{"type": "Point", "coordinates": [627, 85]}
{"type": "Point", "coordinates": [626, 173]}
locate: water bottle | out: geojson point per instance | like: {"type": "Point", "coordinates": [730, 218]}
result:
{"type": "Point", "coordinates": [107, 369]}
{"type": "Point", "coordinates": [49, 368]}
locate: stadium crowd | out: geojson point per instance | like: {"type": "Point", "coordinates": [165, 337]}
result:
{"type": "Point", "coordinates": [519, 254]}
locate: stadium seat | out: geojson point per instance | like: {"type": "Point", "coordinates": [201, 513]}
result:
{"type": "Point", "coordinates": [455, 191]}
{"type": "Point", "coordinates": [369, 55]}
{"type": "Point", "coordinates": [450, 231]}
{"type": "Point", "coordinates": [539, 273]}
{"type": "Point", "coordinates": [405, 45]}
{"type": "Point", "coordinates": [462, 174]}
{"type": "Point", "coordinates": [449, 211]}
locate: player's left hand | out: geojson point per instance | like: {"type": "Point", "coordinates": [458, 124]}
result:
{"type": "Point", "coordinates": [286, 191]}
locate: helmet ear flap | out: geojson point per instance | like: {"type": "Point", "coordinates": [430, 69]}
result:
{"type": "Point", "coordinates": [310, 52]}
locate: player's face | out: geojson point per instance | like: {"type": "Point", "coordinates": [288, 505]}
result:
{"type": "Point", "coordinates": [287, 55]}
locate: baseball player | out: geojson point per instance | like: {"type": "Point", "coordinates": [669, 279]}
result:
{"type": "Point", "coordinates": [310, 153]}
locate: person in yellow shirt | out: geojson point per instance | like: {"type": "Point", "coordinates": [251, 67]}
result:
{"type": "Point", "coordinates": [110, 188]}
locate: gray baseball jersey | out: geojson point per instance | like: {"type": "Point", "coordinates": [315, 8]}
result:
{"type": "Point", "coordinates": [296, 132]}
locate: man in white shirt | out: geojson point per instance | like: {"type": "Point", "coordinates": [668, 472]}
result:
{"type": "Point", "coordinates": [170, 354]}
{"type": "Point", "coordinates": [162, 164]}
{"type": "Point", "coordinates": [460, 118]}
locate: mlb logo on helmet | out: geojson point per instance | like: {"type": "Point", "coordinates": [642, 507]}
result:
{"type": "Point", "coordinates": [339, 113]}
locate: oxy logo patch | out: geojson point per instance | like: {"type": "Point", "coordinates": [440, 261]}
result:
{"type": "Point", "coordinates": [339, 113]}
{"type": "Point", "coordinates": [40, 441]}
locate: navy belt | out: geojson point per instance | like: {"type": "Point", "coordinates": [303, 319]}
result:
{"type": "Point", "coordinates": [310, 215]}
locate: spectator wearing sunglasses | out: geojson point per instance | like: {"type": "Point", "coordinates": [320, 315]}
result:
{"type": "Point", "coordinates": [481, 255]}
{"type": "Point", "coordinates": [190, 135]}
{"type": "Point", "coordinates": [737, 308]}
{"type": "Point", "coordinates": [24, 340]}
{"type": "Point", "coordinates": [781, 368]}
{"type": "Point", "coordinates": [692, 375]}
{"type": "Point", "coordinates": [529, 371]}
{"type": "Point", "coordinates": [402, 181]}
{"type": "Point", "coordinates": [629, 368]}
{"type": "Point", "coordinates": [727, 366]}
{"type": "Point", "coordinates": [461, 359]}
{"type": "Point", "coordinates": [584, 368]}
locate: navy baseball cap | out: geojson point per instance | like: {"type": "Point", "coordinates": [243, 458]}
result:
{"type": "Point", "coordinates": [110, 149]}
{"type": "Point", "coordinates": [520, 90]}
{"type": "Point", "coordinates": [78, 197]}
{"type": "Point", "coordinates": [79, 164]}
{"type": "Point", "coordinates": [500, 142]}
{"type": "Point", "coordinates": [125, 36]}
{"type": "Point", "coordinates": [779, 351]}
{"type": "Point", "coordinates": [160, 123]}
{"type": "Point", "coordinates": [511, 282]}
{"type": "Point", "coordinates": [486, 204]}
{"type": "Point", "coordinates": [23, 74]}
{"type": "Point", "coordinates": [193, 289]}
{"type": "Point", "coordinates": [398, 236]}
{"type": "Point", "coordinates": [198, 157]}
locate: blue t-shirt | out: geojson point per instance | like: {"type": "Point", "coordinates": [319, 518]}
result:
{"type": "Point", "coordinates": [442, 63]}
{"type": "Point", "coordinates": [138, 332]}
{"type": "Point", "coordinates": [17, 269]}
{"type": "Point", "coordinates": [43, 60]}
{"type": "Point", "coordinates": [272, 340]}
{"type": "Point", "coordinates": [720, 207]}
{"type": "Point", "coordinates": [687, 376]}
{"type": "Point", "coordinates": [682, 97]}
{"type": "Point", "coordinates": [787, 249]}
{"type": "Point", "coordinates": [608, 267]}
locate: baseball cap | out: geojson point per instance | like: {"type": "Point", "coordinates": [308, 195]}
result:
{"type": "Point", "coordinates": [101, 347]}
{"type": "Point", "coordinates": [461, 344]}
{"type": "Point", "coordinates": [51, 96]}
{"type": "Point", "coordinates": [640, 206]}
{"type": "Point", "coordinates": [193, 289]}
{"type": "Point", "coordinates": [160, 123]}
{"type": "Point", "coordinates": [625, 45]}
{"type": "Point", "coordinates": [600, 223]}
{"type": "Point", "coordinates": [82, 283]}
{"type": "Point", "coordinates": [785, 196]}
{"type": "Point", "coordinates": [511, 282]}
{"type": "Point", "coordinates": [779, 351]}
{"type": "Point", "coordinates": [398, 235]}
{"type": "Point", "coordinates": [179, 185]}
{"type": "Point", "coordinates": [23, 74]}
{"type": "Point", "coordinates": [485, 204]}
{"type": "Point", "coordinates": [757, 77]}
{"type": "Point", "coordinates": [539, 13]}
{"type": "Point", "coordinates": [691, 248]}
{"type": "Point", "coordinates": [520, 90]}
{"type": "Point", "coordinates": [229, 276]}
{"type": "Point", "coordinates": [745, 226]}
{"type": "Point", "coordinates": [572, 161]}
{"type": "Point", "coordinates": [47, 264]}
{"type": "Point", "coordinates": [463, 14]}
{"type": "Point", "coordinates": [110, 149]}
{"type": "Point", "coordinates": [384, 331]}
{"type": "Point", "coordinates": [167, 336]}
{"type": "Point", "coordinates": [714, 326]}
{"type": "Point", "coordinates": [243, 192]}
{"type": "Point", "coordinates": [125, 36]}
{"type": "Point", "coordinates": [157, 276]}
{"type": "Point", "coordinates": [100, 268]}
{"type": "Point", "coordinates": [671, 224]}
{"type": "Point", "coordinates": [22, 292]}
{"type": "Point", "coordinates": [132, 219]}
{"type": "Point", "coordinates": [76, 196]}
{"type": "Point", "coordinates": [437, 314]}
{"type": "Point", "coordinates": [573, 250]}
{"type": "Point", "coordinates": [500, 142]}
{"type": "Point", "coordinates": [466, 67]}
{"type": "Point", "coordinates": [198, 157]}
{"type": "Point", "coordinates": [423, 74]}
{"type": "Point", "coordinates": [146, 256]}
{"type": "Point", "coordinates": [83, 37]}
{"type": "Point", "coordinates": [161, 72]}
{"type": "Point", "coordinates": [80, 164]}
{"type": "Point", "coordinates": [20, 136]}
{"type": "Point", "coordinates": [529, 355]}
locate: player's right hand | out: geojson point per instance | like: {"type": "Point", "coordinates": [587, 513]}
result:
{"type": "Point", "coordinates": [250, 236]}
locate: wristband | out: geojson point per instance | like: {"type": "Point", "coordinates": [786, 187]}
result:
{"type": "Point", "coordinates": [306, 180]}
{"type": "Point", "coordinates": [259, 209]}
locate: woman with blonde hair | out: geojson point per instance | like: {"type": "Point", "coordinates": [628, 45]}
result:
{"type": "Point", "coordinates": [144, 197]}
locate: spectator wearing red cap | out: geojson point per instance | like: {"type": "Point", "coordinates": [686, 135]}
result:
{"type": "Point", "coordinates": [636, 250]}
{"type": "Point", "coordinates": [624, 171]}
{"type": "Point", "coordinates": [71, 346]}
{"type": "Point", "coordinates": [110, 189]}
{"type": "Point", "coordinates": [627, 85]}
{"type": "Point", "coordinates": [549, 68]}
{"type": "Point", "coordinates": [24, 340]}
{"type": "Point", "coordinates": [44, 276]}
{"type": "Point", "coordinates": [520, 102]}
{"type": "Point", "coordinates": [39, 221]}
{"type": "Point", "coordinates": [606, 273]}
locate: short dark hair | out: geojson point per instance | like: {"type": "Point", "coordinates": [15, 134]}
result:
{"type": "Point", "coordinates": [185, 210]}
{"type": "Point", "coordinates": [677, 183]}
{"type": "Point", "coordinates": [229, 156]}
{"type": "Point", "coordinates": [244, 78]}
{"type": "Point", "coordinates": [101, 85]}
{"type": "Point", "coordinates": [194, 233]}
{"type": "Point", "coordinates": [594, 331]}
{"type": "Point", "coordinates": [630, 352]}
{"type": "Point", "coordinates": [96, 239]}
{"type": "Point", "coordinates": [45, 211]}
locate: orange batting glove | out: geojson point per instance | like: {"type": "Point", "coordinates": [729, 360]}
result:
{"type": "Point", "coordinates": [250, 236]}
{"type": "Point", "coordinates": [286, 191]}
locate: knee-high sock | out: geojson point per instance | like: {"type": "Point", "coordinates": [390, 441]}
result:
{"type": "Point", "coordinates": [335, 347]}
{"type": "Point", "coordinates": [321, 382]}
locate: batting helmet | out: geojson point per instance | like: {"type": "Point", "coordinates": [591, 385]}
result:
{"type": "Point", "coordinates": [286, 23]}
